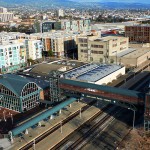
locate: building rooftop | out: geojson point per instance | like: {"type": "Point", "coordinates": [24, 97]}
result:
{"type": "Point", "coordinates": [91, 72]}
{"type": "Point", "coordinates": [44, 69]}
{"type": "Point", "coordinates": [136, 54]}
{"type": "Point", "coordinates": [14, 82]}
{"type": "Point", "coordinates": [125, 52]}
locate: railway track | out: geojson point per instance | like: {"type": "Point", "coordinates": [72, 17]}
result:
{"type": "Point", "coordinates": [132, 75]}
{"type": "Point", "coordinates": [98, 123]}
{"type": "Point", "coordinates": [57, 126]}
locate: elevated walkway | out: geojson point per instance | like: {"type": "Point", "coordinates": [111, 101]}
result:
{"type": "Point", "coordinates": [100, 91]}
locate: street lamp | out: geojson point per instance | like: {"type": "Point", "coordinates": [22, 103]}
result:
{"type": "Point", "coordinates": [133, 118]}
{"type": "Point", "coordinates": [61, 126]}
{"type": "Point", "coordinates": [11, 118]}
{"type": "Point", "coordinates": [4, 116]}
{"type": "Point", "coordinates": [80, 112]}
{"type": "Point", "coordinates": [34, 144]}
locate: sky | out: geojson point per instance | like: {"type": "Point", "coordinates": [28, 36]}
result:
{"type": "Point", "coordinates": [129, 1]}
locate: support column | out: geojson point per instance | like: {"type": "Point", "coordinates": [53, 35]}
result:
{"type": "Point", "coordinates": [51, 117]}
{"type": "Point", "coordinates": [60, 111]}
{"type": "Point", "coordinates": [26, 131]}
{"type": "Point", "coordinates": [144, 126]}
{"type": "Point", "coordinates": [39, 124]}
{"type": "Point", "coordinates": [11, 137]}
{"type": "Point", "coordinates": [133, 119]}
{"type": "Point", "coordinates": [80, 112]}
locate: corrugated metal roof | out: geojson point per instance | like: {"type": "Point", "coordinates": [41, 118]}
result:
{"type": "Point", "coordinates": [13, 82]}
{"type": "Point", "coordinates": [104, 88]}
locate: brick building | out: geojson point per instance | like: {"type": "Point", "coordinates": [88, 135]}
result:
{"type": "Point", "coordinates": [138, 33]}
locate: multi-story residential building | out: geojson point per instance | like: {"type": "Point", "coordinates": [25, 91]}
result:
{"type": "Point", "coordinates": [7, 36]}
{"type": "Point", "coordinates": [34, 49]}
{"type": "Point", "coordinates": [3, 10]}
{"type": "Point", "coordinates": [12, 55]}
{"type": "Point", "coordinates": [6, 16]}
{"type": "Point", "coordinates": [47, 26]}
{"type": "Point", "coordinates": [60, 13]}
{"type": "Point", "coordinates": [95, 49]}
{"type": "Point", "coordinates": [66, 25]}
{"type": "Point", "coordinates": [138, 33]}
{"type": "Point", "coordinates": [61, 43]}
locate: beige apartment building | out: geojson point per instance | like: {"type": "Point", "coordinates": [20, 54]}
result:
{"type": "Point", "coordinates": [94, 49]}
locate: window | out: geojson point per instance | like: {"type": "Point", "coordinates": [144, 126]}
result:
{"type": "Point", "coordinates": [97, 46]}
{"type": "Point", "coordinates": [84, 51]}
{"type": "Point", "coordinates": [91, 58]}
{"type": "Point", "coordinates": [97, 52]}
{"type": "Point", "coordinates": [83, 45]}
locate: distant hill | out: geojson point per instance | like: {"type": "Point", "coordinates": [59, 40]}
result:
{"type": "Point", "coordinates": [74, 4]}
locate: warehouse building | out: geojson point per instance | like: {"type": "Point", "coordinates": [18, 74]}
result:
{"type": "Point", "coordinates": [133, 56]}
{"type": "Point", "coordinates": [96, 73]}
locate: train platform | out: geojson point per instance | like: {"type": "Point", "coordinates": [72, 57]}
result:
{"type": "Point", "coordinates": [139, 77]}
{"type": "Point", "coordinates": [54, 138]}
{"type": "Point", "coordinates": [47, 125]}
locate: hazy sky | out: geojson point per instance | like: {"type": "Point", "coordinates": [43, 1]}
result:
{"type": "Point", "coordinates": [130, 1]}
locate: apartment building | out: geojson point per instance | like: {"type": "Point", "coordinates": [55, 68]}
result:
{"type": "Point", "coordinates": [12, 55]}
{"type": "Point", "coordinates": [138, 33]}
{"type": "Point", "coordinates": [34, 49]}
{"type": "Point", "coordinates": [4, 15]}
{"type": "Point", "coordinates": [7, 36]}
{"type": "Point", "coordinates": [61, 43]}
{"type": "Point", "coordinates": [96, 49]}
{"type": "Point", "coordinates": [61, 13]}
{"type": "Point", "coordinates": [65, 25]}
{"type": "Point", "coordinates": [3, 10]}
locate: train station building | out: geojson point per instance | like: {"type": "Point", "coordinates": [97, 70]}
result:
{"type": "Point", "coordinates": [18, 93]}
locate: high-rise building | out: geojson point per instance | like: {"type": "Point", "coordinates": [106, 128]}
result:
{"type": "Point", "coordinates": [60, 13]}
{"type": "Point", "coordinates": [4, 17]}
{"type": "Point", "coordinates": [138, 33]}
{"type": "Point", "coordinates": [3, 10]}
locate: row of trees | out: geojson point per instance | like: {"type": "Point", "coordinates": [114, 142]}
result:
{"type": "Point", "coordinates": [109, 19]}
{"type": "Point", "coordinates": [20, 28]}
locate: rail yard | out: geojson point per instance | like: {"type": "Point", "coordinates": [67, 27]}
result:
{"type": "Point", "coordinates": [89, 121]}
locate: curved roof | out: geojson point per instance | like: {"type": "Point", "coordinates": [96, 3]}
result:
{"type": "Point", "coordinates": [13, 82]}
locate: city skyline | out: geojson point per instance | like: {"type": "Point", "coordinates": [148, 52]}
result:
{"type": "Point", "coordinates": [124, 1]}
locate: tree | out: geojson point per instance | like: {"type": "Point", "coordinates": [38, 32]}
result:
{"type": "Point", "coordinates": [30, 60]}
{"type": "Point", "coordinates": [111, 61]}
{"type": "Point", "coordinates": [50, 53]}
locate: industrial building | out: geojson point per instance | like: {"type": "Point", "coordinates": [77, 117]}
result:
{"type": "Point", "coordinates": [134, 56]}
{"type": "Point", "coordinates": [18, 93]}
{"type": "Point", "coordinates": [96, 73]}
{"type": "Point", "coordinates": [97, 49]}
{"type": "Point", "coordinates": [138, 33]}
